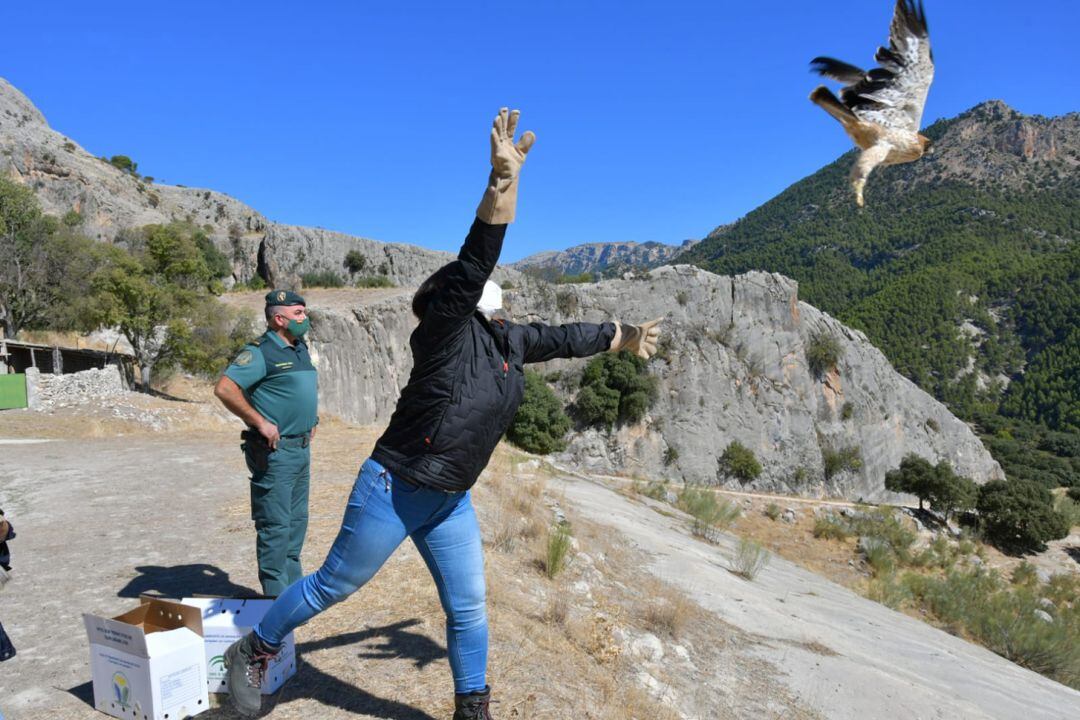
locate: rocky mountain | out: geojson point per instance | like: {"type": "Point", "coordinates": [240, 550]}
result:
{"type": "Point", "coordinates": [734, 364]}
{"type": "Point", "coordinates": [65, 178]}
{"type": "Point", "coordinates": [607, 259]}
{"type": "Point", "coordinates": [734, 368]}
{"type": "Point", "coordinates": [964, 268]}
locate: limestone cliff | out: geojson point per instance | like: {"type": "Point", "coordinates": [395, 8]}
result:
{"type": "Point", "coordinates": [733, 368]}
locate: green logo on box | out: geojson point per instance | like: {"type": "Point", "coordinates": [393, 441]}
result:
{"type": "Point", "coordinates": [121, 688]}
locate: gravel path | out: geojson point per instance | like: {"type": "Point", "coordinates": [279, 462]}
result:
{"type": "Point", "coordinates": [98, 524]}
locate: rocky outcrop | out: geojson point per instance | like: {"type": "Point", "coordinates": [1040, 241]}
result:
{"type": "Point", "coordinates": [601, 257]}
{"type": "Point", "coordinates": [65, 177]}
{"type": "Point", "coordinates": [732, 368]}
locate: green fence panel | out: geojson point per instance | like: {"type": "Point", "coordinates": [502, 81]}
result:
{"type": "Point", "coordinates": [12, 391]}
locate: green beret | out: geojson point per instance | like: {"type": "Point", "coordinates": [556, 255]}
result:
{"type": "Point", "coordinates": [284, 298]}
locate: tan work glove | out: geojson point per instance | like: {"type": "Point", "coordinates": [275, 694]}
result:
{"type": "Point", "coordinates": [638, 339]}
{"type": "Point", "coordinates": [500, 198]}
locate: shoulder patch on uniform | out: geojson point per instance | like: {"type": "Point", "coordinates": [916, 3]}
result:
{"type": "Point", "coordinates": [244, 358]}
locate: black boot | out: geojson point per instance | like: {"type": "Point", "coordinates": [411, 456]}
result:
{"type": "Point", "coordinates": [245, 664]}
{"type": "Point", "coordinates": [473, 706]}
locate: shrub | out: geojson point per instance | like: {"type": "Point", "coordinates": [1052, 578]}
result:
{"type": "Point", "coordinates": [654, 490]}
{"type": "Point", "coordinates": [830, 528]}
{"type": "Point", "coordinates": [322, 278]}
{"type": "Point", "coordinates": [668, 614]}
{"type": "Point", "coordinates": [738, 461]}
{"type": "Point", "coordinates": [822, 353]}
{"type": "Point", "coordinates": [1024, 574]}
{"type": "Point", "coordinates": [1069, 509]}
{"type": "Point", "coordinates": [879, 556]}
{"type": "Point", "coordinates": [216, 337]}
{"type": "Point", "coordinates": [847, 412]}
{"type": "Point", "coordinates": [709, 512]}
{"type": "Point", "coordinates": [124, 164]}
{"type": "Point", "coordinates": [615, 388]}
{"type": "Point", "coordinates": [354, 262]}
{"type": "Point", "coordinates": [843, 460]}
{"type": "Point", "coordinates": [682, 297]}
{"type": "Point", "coordinates": [566, 301]}
{"type": "Point", "coordinates": [671, 454]}
{"type": "Point", "coordinates": [1018, 516]}
{"type": "Point", "coordinates": [1073, 493]}
{"type": "Point", "coordinates": [255, 283]}
{"type": "Point", "coordinates": [887, 590]}
{"type": "Point", "coordinates": [772, 511]}
{"type": "Point", "coordinates": [374, 281]}
{"type": "Point", "coordinates": [883, 525]}
{"type": "Point", "coordinates": [558, 545]}
{"type": "Point", "coordinates": [1003, 619]}
{"type": "Point", "coordinates": [72, 219]}
{"type": "Point", "coordinates": [750, 558]}
{"type": "Point", "coordinates": [540, 423]}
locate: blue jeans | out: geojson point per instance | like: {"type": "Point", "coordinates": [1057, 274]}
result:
{"type": "Point", "coordinates": [381, 511]}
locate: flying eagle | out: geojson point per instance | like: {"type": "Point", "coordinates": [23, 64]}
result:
{"type": "Point", "coordinates": [881, 109]}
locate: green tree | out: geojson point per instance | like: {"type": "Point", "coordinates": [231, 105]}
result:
{"type": "Point", "coordinates": [915, 476]}
{"type": "Point", "coordinates": [152, 293]}
{"type": "Point", "coordinates": [738, 461]}
{"type": "Point", "coordinates": [214, 337]}
{"type": "Point", "coordinates": [354, 262]}
{"type": "Point", "coordinates": [615, 388]}
{"type": "Point", "coordinates": [951, 492]}
{"type": "Point", "coordinates": [1019, 516]}
{"type": "Point", "coordinates": [540, 423]}
{"type": "Point", "coordinates": [124, 164]}
{"type": "Point", "coordinates": [45, 265]}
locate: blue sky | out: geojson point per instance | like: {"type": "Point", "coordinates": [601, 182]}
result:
{"type": "Point", "coordinates": [655, 121]}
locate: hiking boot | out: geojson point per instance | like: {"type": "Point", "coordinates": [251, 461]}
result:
{"type": "Point", "coordinates": [473, 706]}
{"type": "Point", "coordinates": [245, 664]}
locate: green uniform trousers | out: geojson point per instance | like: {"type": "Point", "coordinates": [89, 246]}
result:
{"type": "Point", "coordinates": [279, 507]}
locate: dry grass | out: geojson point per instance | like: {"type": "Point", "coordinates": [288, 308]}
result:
{"type": "Point", "coordinates": [666, 612]}
{"type": "Point", "coordinates": [750, 558]}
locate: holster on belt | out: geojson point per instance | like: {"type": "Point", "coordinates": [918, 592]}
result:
{"type": "Point", "coordinates": [256, 449]}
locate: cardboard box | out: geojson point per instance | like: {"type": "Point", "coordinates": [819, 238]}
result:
{"type": "Point", "coordinates": [149, 664]}
{"type": "Point", "coordinates": [226, 620]}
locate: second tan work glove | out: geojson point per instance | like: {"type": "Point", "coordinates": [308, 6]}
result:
{"type": "Point", "coordinates": [500, 197]}
{"type": "Point", "coordinates": [638, 339]}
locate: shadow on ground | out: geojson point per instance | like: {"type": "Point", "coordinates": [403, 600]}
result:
{"type": "Point", "coordinates": [183, 581]}
{"type": "Point", "coordinates": [1073, 552]}
{"type": "Point", "coordinates": [388, 641]}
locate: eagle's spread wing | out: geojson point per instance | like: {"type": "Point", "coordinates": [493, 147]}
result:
{"type": "Point", "coordinates": [894, 94]}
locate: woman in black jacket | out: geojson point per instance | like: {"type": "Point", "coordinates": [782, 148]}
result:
{"type": "Point", "coordinates": [466, 384]}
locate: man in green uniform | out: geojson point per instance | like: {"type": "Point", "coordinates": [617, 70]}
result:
{"type": "Point", "coordinates": [272, 386]}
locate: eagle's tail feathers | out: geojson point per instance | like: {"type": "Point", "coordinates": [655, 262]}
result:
{"type": "Point", "coordinates": [823, 98]}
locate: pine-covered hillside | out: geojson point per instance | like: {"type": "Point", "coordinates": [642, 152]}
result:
{"type": "Point", "coordinates": [964, 268]}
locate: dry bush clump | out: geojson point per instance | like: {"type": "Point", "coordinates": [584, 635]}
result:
{"type": "Point", "coordinates": [666, 612]}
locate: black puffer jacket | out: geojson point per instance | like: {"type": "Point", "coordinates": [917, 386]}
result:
{"type": "Point", "coordinates": [468, 374]}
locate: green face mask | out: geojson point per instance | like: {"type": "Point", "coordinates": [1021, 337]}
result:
{"type": "Point", "coordinates": [299, 329]}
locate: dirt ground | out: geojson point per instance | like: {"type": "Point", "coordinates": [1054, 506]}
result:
{"type": "Point", "coordinates": [152, 498]}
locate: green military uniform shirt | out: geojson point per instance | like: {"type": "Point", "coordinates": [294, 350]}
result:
{"type": "Point", "coordinates": [279, 381]}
